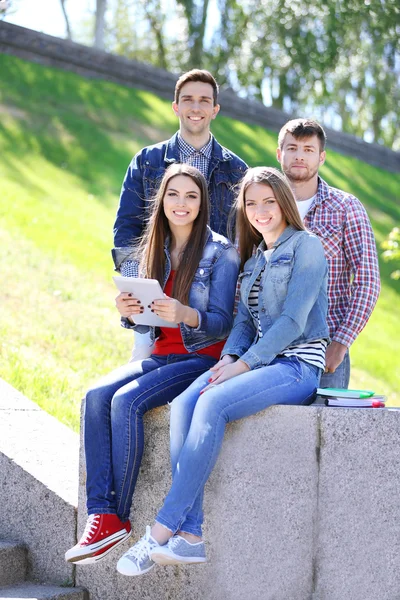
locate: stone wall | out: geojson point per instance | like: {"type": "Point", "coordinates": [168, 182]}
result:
{"type": "Point", "coordinates": [39, 458]}
{"type": "Point", "coordinates": [302, 505]}
{"type": "Point", "coordinates": [89, 62]}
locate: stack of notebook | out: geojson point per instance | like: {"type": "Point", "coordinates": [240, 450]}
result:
{"type": "Point", "coordinates": [351, 398]}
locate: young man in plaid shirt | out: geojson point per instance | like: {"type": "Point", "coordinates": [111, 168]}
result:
{"type": "Point", "coordinates": [342, 224]}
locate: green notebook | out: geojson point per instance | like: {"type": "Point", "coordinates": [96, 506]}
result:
{"type": "Point", "coordinates": [341, 393]}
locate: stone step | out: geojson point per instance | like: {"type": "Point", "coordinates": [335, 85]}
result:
{"type": "Point", "coordinates": [32, 591]}
{"type": "Point", "coordinates": [13, 563]}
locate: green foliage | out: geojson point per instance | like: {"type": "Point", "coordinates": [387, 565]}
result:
{"type": "Point", "coordinates": [392, 250]}
{"type": "Point", "coordinates": [336, 59]}
{"type": "Point", "coordinates": [66, 143]}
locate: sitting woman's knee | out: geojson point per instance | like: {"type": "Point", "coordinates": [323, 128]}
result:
{"type": "Point", "coordinates": [96, 396]}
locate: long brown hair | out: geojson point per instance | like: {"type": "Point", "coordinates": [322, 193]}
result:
{"type": "Point", "coordinates": [248, 235]}
{"type": "Point", "coordinates": [150, 251]}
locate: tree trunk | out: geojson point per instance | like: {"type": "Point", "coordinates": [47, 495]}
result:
{"type": "Point", "coordinates": [156, 26]}
{"type": "Point", "coordinates": [196, 51]}
{"type": "Point", "coordinates": [69, 34]}
{"type": "Point", "coordinates": [101, 6]}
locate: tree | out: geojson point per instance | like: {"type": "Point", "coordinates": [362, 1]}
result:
{"type": "Point", "coordinates": [337, 60]}
{"type": "Point", "coordinates": [101, 6]}
{"type": "Point", "coordinates": [67, 24]}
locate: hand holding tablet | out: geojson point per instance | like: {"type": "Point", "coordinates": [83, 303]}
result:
{"type": "Point", "coordinates": [147, 291]}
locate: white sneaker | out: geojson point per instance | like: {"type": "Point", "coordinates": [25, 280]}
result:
{"type": "Point", "coordinates": [178, 551]}
{"type": "Point", "coordinates": [137, 560]}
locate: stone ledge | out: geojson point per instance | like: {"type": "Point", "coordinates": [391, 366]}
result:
{"type": "Point", "coordinates": [38, 484]}
{"type": "Point", "coordinates": [302, 505]}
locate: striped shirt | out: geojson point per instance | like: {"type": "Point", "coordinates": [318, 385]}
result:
{"type": "Point", "coordinates": [196, 158]}
{"type": "Point", "coordinates": [311, 352]}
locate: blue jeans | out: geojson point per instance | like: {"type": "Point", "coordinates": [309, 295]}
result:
{"type": "Point", "coordinates": [340, 378]}
{"type": "Point", "coordinates": [113, 426]}
{"type": "Point", "coordinates": [198, 424]}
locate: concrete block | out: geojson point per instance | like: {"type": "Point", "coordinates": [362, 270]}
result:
{"type": "Point", "coordinates": [260, 507]}
{"type": "Point", "coordinates": [358, 549]}
{"type": "Point", "coordinates": [39, 460]}
{"type": "Point", "coordinates": [30, 591]}
{"type": "Point", "coordinates": [13, 563]}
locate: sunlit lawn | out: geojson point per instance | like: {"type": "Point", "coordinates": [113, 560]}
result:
{"type": "Point", "coordinates": [65, 145]}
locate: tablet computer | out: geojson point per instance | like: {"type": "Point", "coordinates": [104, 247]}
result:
{"type": "Point", "coordinates": [145, 290]}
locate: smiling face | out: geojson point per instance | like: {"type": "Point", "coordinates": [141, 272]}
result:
{"type": "Point", "coordinates": [263, 212]}
{"type": "Point", "coordinates": [300, 158]}
{"type": "Point", "coordinates": [181, 202]}
{"type": "Point", "coordinates": [195, 109]}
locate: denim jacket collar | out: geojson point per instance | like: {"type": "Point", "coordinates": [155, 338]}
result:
{"type": "Point", "coordinates": [168, 239]}
{"type": "Point", "coordinates": [172, 150]}
{"type": "Point", "coordinates": [287, 233]}
{"type": "Point", "coordinates": [219, 153]}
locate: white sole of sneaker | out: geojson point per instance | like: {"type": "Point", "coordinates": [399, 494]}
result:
{"type": "Point", "coordinates": [164, 560]}
{"type": "Point", "coordinates": [121, 569]}
{"type": "Point", "coordinates": [89, 559]}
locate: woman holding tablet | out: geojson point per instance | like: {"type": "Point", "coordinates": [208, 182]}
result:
{"type": "Point", "coordinates": [197, 269]}
{"type": "Point", "coordinates": [275, 354]}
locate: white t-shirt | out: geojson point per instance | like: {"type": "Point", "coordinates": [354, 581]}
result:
{"type": "Point", "coordinates": [304, 205]}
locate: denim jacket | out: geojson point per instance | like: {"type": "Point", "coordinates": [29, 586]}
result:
{"type": "Point", "coordinates": [292, 299]}
{"type": "Point", "coordinates": [212, 294]}
{"type": "Point", "coordinates": [143, 178]}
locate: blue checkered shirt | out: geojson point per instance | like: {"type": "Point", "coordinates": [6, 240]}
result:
{"type": "Point", "coordinates": [197, 158]}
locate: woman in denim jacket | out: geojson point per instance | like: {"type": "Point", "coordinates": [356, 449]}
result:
{"type": "Point", "coordinates": [197, 269]}
{"type": "Point", "coordinates": [274, 355]}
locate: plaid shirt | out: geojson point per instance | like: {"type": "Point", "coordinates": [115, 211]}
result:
{"type": "Point", "coordinates": [341, 222]}
{"type": "Point", "coordinates": [196, 158]}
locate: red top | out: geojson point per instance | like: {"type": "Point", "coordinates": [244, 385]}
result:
{"type": "Point", "coordinates": [170, 340]}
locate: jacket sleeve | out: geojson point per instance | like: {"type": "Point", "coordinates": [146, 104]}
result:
{"type": "Point", "coordinates": [242, 334]}
{"type": "Point", "coordinates": [308, 277]}
{"type": "Point", "coordinates": [217, 320]}
{"type": "Point", "coordinates": [129, 222]}
{"type": "Point", "coordinates": [360, 252]}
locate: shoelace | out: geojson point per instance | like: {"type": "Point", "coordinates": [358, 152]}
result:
{"type": "Point", "coordinates": [142, 548]}
{"type": "Point", "coordinates": [174, 541]}
{"type": "Point", "coordinates": [91, 526]}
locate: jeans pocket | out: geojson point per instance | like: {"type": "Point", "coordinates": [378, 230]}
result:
{"type": "Point", "coordinates": [297, 366]}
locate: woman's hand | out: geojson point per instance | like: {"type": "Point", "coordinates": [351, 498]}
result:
{"type": "Point", "coordinates": [128, 305]}
{"type": "Point", "coordinates": [227, 371]}
{"type": "Point", "coordinates": [225, 360]}
{"type": "Point", "coordinates": [173, 311]}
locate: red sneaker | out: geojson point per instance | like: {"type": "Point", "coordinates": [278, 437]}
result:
{"type": "Point", "coordinates": [102, 534]}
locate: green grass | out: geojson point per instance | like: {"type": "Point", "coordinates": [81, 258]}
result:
{"type": "Point", "coordinates": [65, 145]}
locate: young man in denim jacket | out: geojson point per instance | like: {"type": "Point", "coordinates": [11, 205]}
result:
{"type": "Point", "coordinates": [342, 224]}
{"type": "Point", "coordinates": [196, 105]}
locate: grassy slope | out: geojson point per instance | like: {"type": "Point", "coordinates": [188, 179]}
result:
{"type": "Point", "coordinates": [65, 144]}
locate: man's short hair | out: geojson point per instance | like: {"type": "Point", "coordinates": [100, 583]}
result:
{"type": "Point", "coordinates": [301, 129]}
{"type": "Point", "coordinates": [196, 75]}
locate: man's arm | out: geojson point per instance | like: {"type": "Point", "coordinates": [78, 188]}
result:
{"type": "Point", "coordinates": [129, 221]}
{"type": "Point", "coordinates": [360, 253]}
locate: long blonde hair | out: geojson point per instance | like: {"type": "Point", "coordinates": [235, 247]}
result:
{"type": "Point", "coordinates": [150, 252]}
{"type": "Point", "coordinates": [248, 235]}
